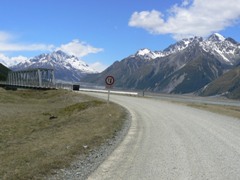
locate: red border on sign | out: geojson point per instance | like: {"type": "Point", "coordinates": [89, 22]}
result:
{"type": "Point", "coordinates": [107, 81]}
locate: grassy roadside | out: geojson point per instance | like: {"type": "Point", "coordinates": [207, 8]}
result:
{"type": "Point", "coordinates": [232, 111]}
{"type": "Point", "coordinates": [45, 130]}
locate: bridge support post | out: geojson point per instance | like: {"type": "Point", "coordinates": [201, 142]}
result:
{"type": "Point", "coordinates": [39, 77]}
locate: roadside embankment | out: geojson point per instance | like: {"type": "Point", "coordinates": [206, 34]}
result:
{"type": "Point", "coordinates": [45, 133]}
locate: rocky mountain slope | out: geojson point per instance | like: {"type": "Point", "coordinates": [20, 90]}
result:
{"type": "Point", "coordinates": [3, 72]}
{"type": "Point", "coordinates": [184, 67]}
{"type": "Point", "coordinates": [67, 68]}
{"type": "Point", "coordinates": [227, 85]}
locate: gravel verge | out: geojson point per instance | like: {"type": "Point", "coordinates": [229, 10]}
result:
{"type": "Point", "coordinates": [82, 167]}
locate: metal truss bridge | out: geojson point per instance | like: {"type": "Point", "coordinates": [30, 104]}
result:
{"type": "Point", "coordinates": [39, 78]}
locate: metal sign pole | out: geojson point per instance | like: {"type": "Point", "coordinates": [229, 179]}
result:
{"type": "Point", "coordinates": [109, 82]}
{"type": "Point", "coordinates": [108, 96]}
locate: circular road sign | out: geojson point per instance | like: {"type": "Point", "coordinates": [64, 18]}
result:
{"type": "Point", "coordinates": [109, 80]}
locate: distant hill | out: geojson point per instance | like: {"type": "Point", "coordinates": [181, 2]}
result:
{"type": "Point", "coordinates": [228, 85]}
{"type": "Point", "coordinates": [3, 72]}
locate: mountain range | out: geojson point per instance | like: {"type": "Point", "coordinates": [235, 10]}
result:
{"type": "Point", "coordinates": [196, 65]}
{"type": "Point", "coordinates": [67, 67]}
{"type": "Point", "coordinates": [188, 66]}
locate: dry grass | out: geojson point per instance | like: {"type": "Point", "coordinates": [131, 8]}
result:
{"type": "Point", "coordinates": [227, 110]}
{"type": "Point", "coordinates": [232, 111]}
{"type": "Point", "coordinates": [45, 130]}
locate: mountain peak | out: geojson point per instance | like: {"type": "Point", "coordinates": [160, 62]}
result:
{"type": "Point", "coordinates": [147, 54]}
{"type": "Point", "coordinates": [181, 45]}
{"type": "Point", "coordinates": [67, 67]}
{"type": "Point", "coordinates": [60, 52]}
{"type": "Point", "coordinates": [143, 52]}
{"type": "Point", "coordinates": [216, 37]}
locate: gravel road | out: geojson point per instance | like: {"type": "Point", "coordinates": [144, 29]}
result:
{"type": "Point", "coordinates": [171, 141]}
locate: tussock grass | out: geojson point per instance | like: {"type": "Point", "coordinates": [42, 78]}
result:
{"type": "Point", "coordinates": [45, 130]}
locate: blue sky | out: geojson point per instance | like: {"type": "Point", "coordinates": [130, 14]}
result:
{"type": "Point", "coordinates": [100, 32]}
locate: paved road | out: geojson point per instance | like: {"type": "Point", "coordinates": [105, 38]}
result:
{"type": "Point", "coordinates": [170, 141]}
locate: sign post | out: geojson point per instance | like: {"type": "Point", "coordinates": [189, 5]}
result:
{"type": "Point", "coordinates": [109, 80]}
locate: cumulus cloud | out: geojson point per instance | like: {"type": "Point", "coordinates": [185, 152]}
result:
{"type": "Point", "coordinates": [151, 21]}
{"type": "Point", "coordinates": [190, 18]}
{"type": "Point", "coordinates": [79, 49]}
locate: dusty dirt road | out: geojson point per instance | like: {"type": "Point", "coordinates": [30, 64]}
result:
{"type": "Point", "coordinates": [171, 141]}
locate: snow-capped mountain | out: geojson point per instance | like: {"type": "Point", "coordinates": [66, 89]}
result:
{"type": "Point", "coordinates": [226, 49]}
{"type": "Point", "coordinates": [184, 67]}
{"type": "Point", "coordinates": [67, 67]}
{"type": "Point", "coordinates": [181, 45]}
{"type": "Point", "coordinates": [148, 54]}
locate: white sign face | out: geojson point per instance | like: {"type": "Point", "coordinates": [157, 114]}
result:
{"type": "Point", "coordinates": [109, 80]}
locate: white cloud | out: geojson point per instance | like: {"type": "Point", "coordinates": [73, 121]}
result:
{"type": "Point", "coordinates": [185, 2]}
{"type": "Point", "coordinates": [4, 59]}
{"type": "Point", "coordinates": [19, 59]}
{"type": "Point", "coordinates": [6, 44]}
{"type": "Point", "coordinates": [98, 66]}
{"type": "Point", "coordinates": [147, 20]}
{"type": "Point", "coordinates": [191, 18]}
{"type": "Point", "coordinates": [79, 49]}
{"type": "Point", "coordinates": [10, 61]}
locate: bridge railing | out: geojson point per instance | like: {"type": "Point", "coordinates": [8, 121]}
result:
{"type": "Point", "coordinates": [44, 85]}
